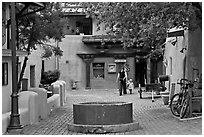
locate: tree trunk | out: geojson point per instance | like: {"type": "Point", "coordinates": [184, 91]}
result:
{"type": "Point", "coordinates": [30, 44]}
{"type": "Point", "coordinates": [22, 72]}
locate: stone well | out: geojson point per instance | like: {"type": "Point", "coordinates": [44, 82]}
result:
{"type": "Point", "coordinates": [102, 117]}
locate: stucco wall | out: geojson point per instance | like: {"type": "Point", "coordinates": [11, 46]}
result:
{"type": "Point", "coordinates": [192, 41]}
{"type": "Point", "coordinates": [7, 89]}
{"type": "Point", "coordinates": [34, 59]}
{"type": "Point", "coordinates": [71, 66]}
{"type": "Point", "coordinates": [109, 82]}
{"type": "Point", "coordinates": [177, 59]}
{"type": "Point", "coordinates": [194, 53]}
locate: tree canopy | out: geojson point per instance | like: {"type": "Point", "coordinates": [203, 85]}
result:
{"type": "Point", "coordinates": [144, 24]}
{"type": "Point", "coordinates": [39, 28]}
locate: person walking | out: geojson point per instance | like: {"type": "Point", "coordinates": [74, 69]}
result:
{"type": "Point", "coordinates": [121, 78]}
{"type": "Point", "coordinates": [130, 85]}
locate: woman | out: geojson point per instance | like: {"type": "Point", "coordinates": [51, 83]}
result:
{"type": "Point", "coordinates": [122, 77]}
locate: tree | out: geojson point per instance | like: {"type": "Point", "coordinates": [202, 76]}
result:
{"type": "Point", "coordinates": [145, 24]}
{"type": "Point", "coordinates": [37, 29]}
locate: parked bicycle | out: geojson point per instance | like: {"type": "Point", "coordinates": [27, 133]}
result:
{"type": "Point", "coordinates": [179, 104]}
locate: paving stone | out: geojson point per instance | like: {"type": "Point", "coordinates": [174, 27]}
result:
{"type": "Point", "coordinates": [154, 118]}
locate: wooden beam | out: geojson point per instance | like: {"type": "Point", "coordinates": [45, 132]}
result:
{"type": "Point", "coordinates": [175, 33]}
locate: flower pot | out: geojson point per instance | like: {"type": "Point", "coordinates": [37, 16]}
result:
{"type": "Point", "coordinates": [165, 99]}
{"type": "Point", "coordinates": [197, 105]}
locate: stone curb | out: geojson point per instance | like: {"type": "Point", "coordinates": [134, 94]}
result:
{"type": "Point", "coordinates": [103, 129]}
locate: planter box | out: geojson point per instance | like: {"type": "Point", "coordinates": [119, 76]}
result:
{"type": "Point", "coordinates": [197, 104]}
{"type": "Point", "coordinates": [154, 86]}
{"type": "Point", "coordinates": [165, 99]}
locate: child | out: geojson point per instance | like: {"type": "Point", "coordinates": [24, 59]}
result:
{"type": "Point", "coordinates": [130, 85]}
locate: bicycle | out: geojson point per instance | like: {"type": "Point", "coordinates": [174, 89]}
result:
{"type": "Point", "coordinates": [179, 103]}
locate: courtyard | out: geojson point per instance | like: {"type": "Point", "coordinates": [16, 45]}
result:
{"type": "Point", "coordinates": [154, 118]}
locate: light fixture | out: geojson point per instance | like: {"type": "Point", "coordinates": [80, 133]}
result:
{"type": "Point", "coordinates": [182, 50]}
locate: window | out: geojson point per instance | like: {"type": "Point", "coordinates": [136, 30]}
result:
{"type": "Point", "coordinates": [32, 76]}
{"type": "Point", "coordinates": [84, 26]}
{"type": "Point", "coordinates": [171, 65]}
{"type": "Point", "coordinates": [5, 73]}
{"type": "Point", "coordinates": [98, 70]}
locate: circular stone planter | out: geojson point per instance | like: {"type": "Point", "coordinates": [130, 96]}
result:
{"type": "Point", "coordinates": [102, 113]}
{"type": "Point", "coordinates": [102, 117]}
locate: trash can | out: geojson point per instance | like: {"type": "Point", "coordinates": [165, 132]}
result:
{"type": "Point", "coordinates": [24, 84]}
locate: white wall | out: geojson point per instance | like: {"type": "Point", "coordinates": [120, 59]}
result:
{"type": "Point", "coordinates": [34, 59]}
{"type": "Point", "coordinates": [7, 89]}
{"type": "Point", "coordinates": [177, 58]}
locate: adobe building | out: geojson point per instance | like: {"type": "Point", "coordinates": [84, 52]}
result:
{"type": "Point", "coordinates": [183, 55]}
{"type": "Point", "coordinates": [93, 58]}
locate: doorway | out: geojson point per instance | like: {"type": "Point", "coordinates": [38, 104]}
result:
{"type": "Point", "coordinates": [140, 72]}
{"type": "Point", "coordinates": [32, 76]}
{"type": "Point", "coordinates": [119, 66]}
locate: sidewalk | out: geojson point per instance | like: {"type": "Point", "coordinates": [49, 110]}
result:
{"type": "Point", "coordinates": [154, 118]}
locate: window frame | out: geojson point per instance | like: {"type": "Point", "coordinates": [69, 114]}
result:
{"type": "Point", "coordinates": [93, 68]}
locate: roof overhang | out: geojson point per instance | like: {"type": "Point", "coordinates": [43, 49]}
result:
{"type": "Point", "coordinates": [102, 38]}
{"type": "Point", "coordinates": [7, 53]}
{"type": "Point", "coordinates": [175, 33]}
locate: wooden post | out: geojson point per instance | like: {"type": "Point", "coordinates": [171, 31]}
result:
{"type": "Point", "coordinates": [88, 61]}
{"type": "Point", "coordinates": [190, 103]}
{"type": "Point", "coordinates": [148, 71]}
{"type": "Point", "coordinates": [152, 95]}
{"type": "Point", "coordinates": [140, 91]}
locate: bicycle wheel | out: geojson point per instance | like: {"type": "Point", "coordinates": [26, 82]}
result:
{"type": "Point", "coordinates": [184, 106]}
{"type": "Point", "coordinates": [175, 105]}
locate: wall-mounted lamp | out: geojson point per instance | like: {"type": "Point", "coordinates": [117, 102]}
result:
{"type": "Point", "coordinates": [174, 42]}
{"type": "Point", "coordinates": [182, 50]}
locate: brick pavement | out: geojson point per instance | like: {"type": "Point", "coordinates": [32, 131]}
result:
{"type": "Point", "coordinates": [154, 118]}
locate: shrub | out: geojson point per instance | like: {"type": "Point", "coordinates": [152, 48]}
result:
{"type": "Point", "coordinates": [49, 77]}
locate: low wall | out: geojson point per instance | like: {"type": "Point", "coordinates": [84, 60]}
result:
{"type": "Point", "coordinates": [33, 106]}
{"type": "Point", "coordinates": [53, 102]}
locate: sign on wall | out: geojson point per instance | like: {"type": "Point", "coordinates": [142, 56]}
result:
{"type": "Point", "coordinates": [112, 68]}
{"type": "Point", "coordinates": [120, 60]}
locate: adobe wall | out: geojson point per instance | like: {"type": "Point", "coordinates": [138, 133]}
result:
{"type": "Point", "coordinates": [195, 53]}
{"type": "Point", "coordinates": [193, 42]}
{"type": "Point", "coordinates": [36, 60]}
{"type": "Point", "coordinates": [7, 89]}
{"type": "Point", "coordinates": [175, 59]}
{"type": "Point", "coordinates": [71, 66]}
